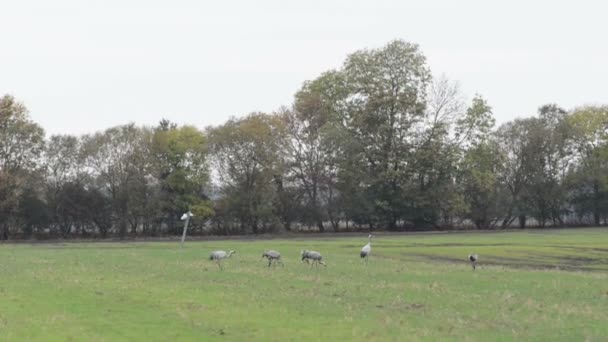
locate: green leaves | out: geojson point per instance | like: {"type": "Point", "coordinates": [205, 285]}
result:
{"type": "Point", "coordinates": [21, 144]}
{"type": "Point", "coordinates": [588, 179]}
{"type": "Point", "coordinates": [247, 154]}
{"type": "Point", "coordinates": [478, 122]}
{"type": "Point", "coordinates": [21, 140]}
{"type": "Point", "coordinates": [179, 160]}
{"type": "Point", "coordinates": [480, 184]}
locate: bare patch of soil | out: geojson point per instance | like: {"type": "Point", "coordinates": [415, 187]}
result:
{"type": "Point", "coordinates": [569, 263]}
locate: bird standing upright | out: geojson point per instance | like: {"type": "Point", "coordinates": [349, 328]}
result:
{"type": "Point", "coordinates": [473, 260]}
{"type": "Point", "coordinates": [367, 249]}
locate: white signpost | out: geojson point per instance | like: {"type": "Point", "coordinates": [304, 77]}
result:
{"type": "Point", "coordinates": [186, 217]}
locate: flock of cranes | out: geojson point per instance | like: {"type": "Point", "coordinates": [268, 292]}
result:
{"type": "Point", "coordinates": [311, 257]}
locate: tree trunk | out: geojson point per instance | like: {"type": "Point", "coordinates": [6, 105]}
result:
{"type": "Point", "coordinates": [134, 227]}
{"type": "Point", "coordinates": [122, 227]}
{"type": "Point", "coordinates": [392, 224]}
{"type": "Point", "coordinates": [254, 226]}
{"type": "Point", "coordinates": [596, 204]}
{"type": "Point", "coordinates": [4, 231]}
{"type": "Point", "coordinates": [334, 223]}
{"type": "Point", "coordinates": [508, 222]}
{"type": "Point", "coordinates": [287, 225]}
{"type": "Point", "coordinates": [508, 219]}
{"type": "Point", "coordinates": [522, 221]}
{"type": "Point", "coordinates": [320, 225]}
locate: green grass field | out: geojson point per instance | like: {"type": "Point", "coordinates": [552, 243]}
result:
{"type": "Point", "coordinates": [531, 285]}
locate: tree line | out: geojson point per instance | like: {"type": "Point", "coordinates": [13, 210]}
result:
{"type": "Point", "coordinates": [376, 144]}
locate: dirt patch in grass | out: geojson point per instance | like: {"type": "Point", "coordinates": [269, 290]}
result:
{"type": "Point", "coordinates": [407, 306]}
{"type": "Point", "coordinates": [75, 246]}
{"type": "Point", "coordinates": [569, 263]}
{"type": "Point", "coordinates": [582, 249]}
{"type": "Point", "coordinates": [414, 306]}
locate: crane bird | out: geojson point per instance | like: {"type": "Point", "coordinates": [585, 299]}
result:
{"type": "Point", "coordinates": [473, 260]}
{"type": "Point", "coordinates": [272, 256]}
{"type": "Point", "coordinates": [367, 249]}
{"type": "Point", "coordinates": [314, 256]}
{"type": "Point", "coordinates": [218, 256]}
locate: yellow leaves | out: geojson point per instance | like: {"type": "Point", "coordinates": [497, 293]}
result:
{"type": "Point", "coordinates": [203, 210]}
{"type": "Point", "coordinates": [179, 140]}
{"type": "Point", "coordinates": [590, 123]}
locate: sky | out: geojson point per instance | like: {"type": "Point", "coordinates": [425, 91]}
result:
{"type": "Point", "coordinates": [84, 66]}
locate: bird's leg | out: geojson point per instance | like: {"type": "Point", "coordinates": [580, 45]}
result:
{"type": "Point", "coordinates": [269, 262]}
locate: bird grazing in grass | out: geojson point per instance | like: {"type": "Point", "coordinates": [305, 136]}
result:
{"type": "Point", "coordinates": [314, 256]}
{"type": "Point", "coordinates": [367, 249]}
{"type": "Point", "coordinates": [272, 256]}
{"type": "Point", "coordinates": [473, 260]}
{"type": "Point", "coordinates": [218, 256]}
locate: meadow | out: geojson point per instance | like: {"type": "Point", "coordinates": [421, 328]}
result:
{"type": "Point", "coordinates": [545, 285]}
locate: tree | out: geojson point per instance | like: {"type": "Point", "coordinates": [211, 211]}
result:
{"type": "Point", "coordinates": [21, 143]}
{"type": "Point", "coordinates": [247, 156]}
{"type": "Point", "coordinates": [311, 155]}
{"type": "Point", "coordinates": [180, 169]}
{"type": "Point", "coordinates": [589, 180]}
{"type": "Point", "coordinates": [481, 186]}
{"type": "Point", "coordinates": [120, 164]}
{"type": "Point", "coordinates": [32, 215]}
{"type": "Point", "coordinates": [65, 165]}
{"type": "Point", "coordinates": [386, 98]}
{"type": "Point", "coordinates": [436, 155]}
{"type": "Point", "coordinates": [481, 165]}
{"type": "Point", "coordinates": [515, 143]}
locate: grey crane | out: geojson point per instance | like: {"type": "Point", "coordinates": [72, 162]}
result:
{"type": "Point", "coordinates": [272, 256]}
{"type": "Point", "coordinates": [367, 249]}
{"type": "Point", "coordinates": [218, 256]}
{"type": "Point", "coordinates": [473, 259]}
{"type": "Point", "coordinates": [314, 256]}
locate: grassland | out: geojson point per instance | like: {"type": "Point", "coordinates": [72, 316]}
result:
{"type": "Point", "coordinates": [533, 285]}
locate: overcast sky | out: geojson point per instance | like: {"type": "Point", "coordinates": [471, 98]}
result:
{"type": "Point", "coordinates": [82, 66]}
